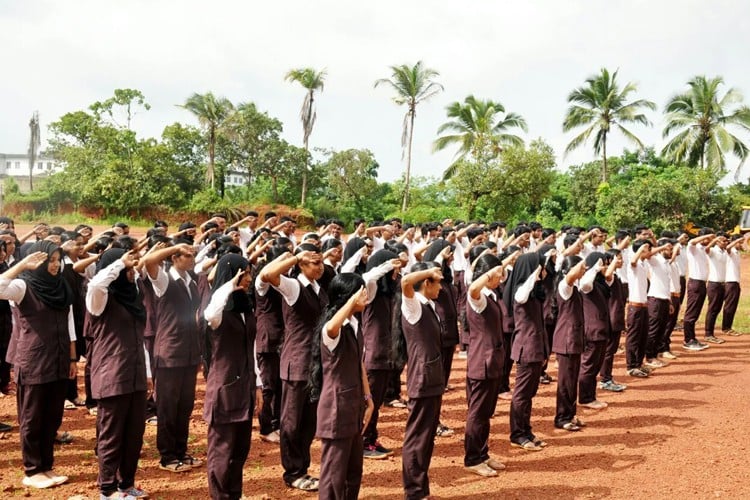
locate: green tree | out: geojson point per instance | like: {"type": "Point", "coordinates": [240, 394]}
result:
{"type": "Point", "coordinates": [211, 112]}
{"type": "Point", "coordinates": [701, 120]}
{"type": "Point", "coordinates": [412, 85]}
{"type": "Point", "coordinates": [351, 177]}
{"type": "Point", "coordinates": [479, 128]}
{"type": "Point", "coordinates": [601, 106]}
{"type": "Point", "coordinates": [312, 81]}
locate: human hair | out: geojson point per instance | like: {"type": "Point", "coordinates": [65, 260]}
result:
{"type": "Point", "coordinates": [69, 235]}
{"type": "Point", "coordinates": [637, 244]}
{"type": "Point", "coordinates": [330, 243]}
{"type": "Point", "coordinates": [269, 215]}
{"type": "Point", "coordinates": [251, 213]}
{"type": "Point", "coordinates": [342, 287]}
{"type": "Point", "coordinates": [483, 264]}
{"type": "Point", "coordinates": [125, 242]}
{"type": "Point", "coordinates": [164, 224]}
{"type": "Point", "coordinates": [422, 266]}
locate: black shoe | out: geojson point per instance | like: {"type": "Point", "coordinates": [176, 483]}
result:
{"type": "Point", "coordinates": [5, 427]}
{"type": "Point", "coordinates": [545, 379]}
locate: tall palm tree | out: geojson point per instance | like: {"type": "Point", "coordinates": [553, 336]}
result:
{"type": "Point", "coordinates": [311, 80]}
{"type": "Point", "coordinates": [601, 105]}
{"type": "Point", "coordinates": [701, 118]}
{"type": "Point", "coordinates": [479, 129]}
{"type": "Point", "coordinates": [212, 112]}
{"type": "Point", "coordinates": [413, 85]}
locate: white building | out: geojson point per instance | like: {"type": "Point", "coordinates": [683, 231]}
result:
{"type": "Point", "coordinates": [17, 166]}
{"type": "Point", "coordinates": [235, 177]}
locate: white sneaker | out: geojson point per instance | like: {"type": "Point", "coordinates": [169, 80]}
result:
{"type": "Point", "coordinates": [271, 437]}
{"type": "Point", "coordinates": [57, 479]}
{"type": "Point", "coordinates": [40, 480]}
{"type": "Point", "coordinates": [654, 363]}
{"type": "Point", "coordinates": [462, 354]}
{"type": "Point", "coordinates": [668, 355]}
{"type": "Point", "coordinates": [595, 405]}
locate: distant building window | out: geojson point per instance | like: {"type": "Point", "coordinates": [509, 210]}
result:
{"type": "Point", "coordinates": [7, 164]}
{"type": "Point", "coordinates": [39, 166]}
{"type": "Point", "coordinates": [18, 164]}
{"type": "Point", "coordinates": [49, 165]}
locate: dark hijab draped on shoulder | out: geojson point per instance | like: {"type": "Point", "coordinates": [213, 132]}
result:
{"type": "Point", "coordinates": [431, 254]}
{"type": "Point", "coordinates": [226, 270]}
{"type": "Point", "coordinates": [386, 284]}
{"type": "Point", "coordinates": [523, 268]}
{"type": "Point", "coordinates": [53, 291]}
{"type": "Point", "coordinates": [599, 282]}
{"type": "Point", "coordinates": [121, 289]}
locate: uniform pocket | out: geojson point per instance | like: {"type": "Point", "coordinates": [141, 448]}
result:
{"type": "Point", "coordinates": [348, 411]}
{"type": "Point", "coordinates": [432, 373]}
{"type": "Point", "coordinates": [233, 401]}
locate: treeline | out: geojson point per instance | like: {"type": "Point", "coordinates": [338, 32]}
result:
{"type": "Point", "coordinates": [496, 175]}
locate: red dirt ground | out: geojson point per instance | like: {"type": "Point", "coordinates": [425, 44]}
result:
{"type": "Point", "coordinates": [682, 433]}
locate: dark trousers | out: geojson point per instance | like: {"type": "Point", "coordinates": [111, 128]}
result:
{"type": "Point", "coordinates": [270, 376]}
{"type": "Point", "coordinates": [228, 447]}
{"type": "Point", "coordinates": [297, 428]}
{"type": "Point", "coordinates": [4, 368]}
{"type": "Point", "coordinates": [507, 365]}
{"type": "Point", "coordinates": [658, 317]}
{"type": "Point", "coordinates": [90, 401]}
{"type": "Point", "coordinates": [635, 342]}
{"type": "Point", "coordinates": [176, 389]}
{"type": "Point", "coordinates": [419, 442]}
{"type": "Point", "coordinates": [731, 300]}
{"type": "Point", "coordinates": [715, 294]}
{"type": "Point", "coordinates": [119, 425]}
{"type": "Point", "coordinates": [696, 295]}
{"type": "Point", "coordinates": [463, 323]}
{"type": "Point", "coordinates": [591, 362]}
{"type": "Point", "coordinates": [527, 383]}
{"type": "Point", "coordinates": [568, 367]}
{"type": "Point", "coordinates": [393, 389]}
{"type": "Point", "coordinates": [378, 380]}
{"type": "Point", "coordinates": [683, 289]}
{"type": "Point", "coordinates": [340, 468]}
{"type": "Point", "coordinates": [148, 342]}
{"type": "Point", "coordinates": [481, 397]}
{"type": "Point", "coordinates": [447, 354]}
{"type": "Point", "coordinates": [40, 411]}
{"type": "Point", "coordinates": [671, 322]}
{"type": "Point", "coordinates": [608, 361]}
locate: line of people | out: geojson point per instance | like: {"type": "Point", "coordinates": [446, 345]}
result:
{"type": "Point", "coordinates": [322, 330]}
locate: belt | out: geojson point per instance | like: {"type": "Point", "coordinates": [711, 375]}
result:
{"type": "Point", "coordinates": [675, 294]}
{"type": "Point", "coordinates": [637, 304]}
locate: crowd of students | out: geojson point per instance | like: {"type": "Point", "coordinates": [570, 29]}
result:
{"type": "Point", "coordinates": [323, 328]}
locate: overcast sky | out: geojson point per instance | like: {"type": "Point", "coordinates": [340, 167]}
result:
{"type": "Point", "coordinates": [62, 56]}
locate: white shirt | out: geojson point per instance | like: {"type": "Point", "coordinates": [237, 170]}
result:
{"type": "Point", "coordinates": [480, 304]}
{"type": "Point", "coordinates": [290, 288]}
{"type": "Point", "coordinates": [658, 267]}
{"type": "Point", "coordinates": [330, 343]}
{"type": "Point", "coordinates": [214, 312]}
{"type": "Point", "coordinates": [717, 264]}
{"type": "Point", "coordinates": [622, 272]}
{"type": "Point", "coordinates": [589, 248]}
{"type": "Point", "coordinates": [566, 291]}
{"type": "Point", "coordinates": [638, 282]}
{"type": "Point", "coordinates": [161, 282]}
{"type": "Point", "coordinates": [15, 290]}
{"type": "Point", "coordinates": [681, 259]}
{"type": "Point", "coordinates": [674, 278]}
{"type": "Point", "coordinates": [697, 262]}
{"type": "Point", "coordinates": [523, 291]}
{"type": "Point", "coordinates": [97, 293]}
{"type": "Point", "coordinates": [411, 308]}
{"type": "Point", "coordinates": [733, 266]}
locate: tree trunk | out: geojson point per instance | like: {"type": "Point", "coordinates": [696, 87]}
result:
{"type": "Point", "coordinates": [211, 154]}
{"type": "Point", "coordinates": [604, 166]}
{"type": "Point", "coordinates": [407, 182]}
{"type": "Point", "coordinates": [275, 189]}
{"type": "Point", "coordinates": [304, 176]}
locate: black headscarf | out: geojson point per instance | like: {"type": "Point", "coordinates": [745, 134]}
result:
{"type": "Point", "coordinates": [431, 254]}
{"type": "Point", "coordinates": [351, 248]}
{"type": "Point", "coordinates": [599, 282]}
{"type": "Point", "coordinates": [121, 289]}
{"type": "Point", "coordinates": [524, 267]}
{"type": "Point", "coordinates": [386, 284]}
{"type": "Point", "coordinates": [226, 270]}
{"type": "Point", "coordinates": [53, 291]}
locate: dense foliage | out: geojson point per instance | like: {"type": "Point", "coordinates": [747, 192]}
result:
{"type": "Point", "coordinates": [110, 169]}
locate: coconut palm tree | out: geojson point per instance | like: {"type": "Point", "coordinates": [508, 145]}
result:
{"type": "Point", "coordinates": [212, 112]}
{"type": "Point", "coordinates": [701, 117]}
{"type": "Point", "coordinates": [479, 128]}
{"type": "Point", "coordinates": [312, 81]}
{"type": "Point", "coordinates": [412, 85]}
{"type": "Point", "coordinates": [601, 106]}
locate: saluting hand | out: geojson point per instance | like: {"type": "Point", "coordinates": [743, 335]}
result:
{"type": "Point", "coordinates": [33, 260]}
{"type": "Point", "coordinates": [130, 259]}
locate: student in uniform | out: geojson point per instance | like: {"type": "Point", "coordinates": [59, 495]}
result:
{"type": "Point", "coordinates": [425, 383]}
{"type": "Point", "coordinates": [117, 319]}
{"type": "Point", "coordinates": [524, 296]}
{"type": "Point", "coordinates": [42, 352]}
{"type": "Point", "coordinates": [659, 300]}
{"type": "Point", "coordinates": [697, 260]}
{"type": "Point", "coordinates": [177, 352]}
{"type": "Point", "coordinates": [567, 342]}
{"type": "Point", "coordinates": [732, 285]}
{"type": "Point", "coordinates": [616, 306]}
{"type": "Point", "coordinates": [338, 378]}
{"type": "Point", "coordinates": [484, 365]}
{"type": "Point", "coordinates": [717, 271]}
{"type": "Point", "coordinates": [230, 386]}
{"type": "Point", "coordinates": [303, 302]}
{"type": "Point", "coordinates": [635, 343]}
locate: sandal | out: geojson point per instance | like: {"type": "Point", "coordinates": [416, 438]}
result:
{"type": "Point", "coordinates": [191, 461]}
{"type": "Point", "coordinates": [69, 405]}
{"type": "Point", "coordinates": [79, 402]}
{"type": "Point", "coordinates": [64, 438]}
{"type": "Point", "coordinates": [305, 483]}
{"type": "Point", "coordinates": [175, 466]}
{"type": "Point", "coordinates": [569, 426]}
{"type": "Point", "coordinates": [527, 445]}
